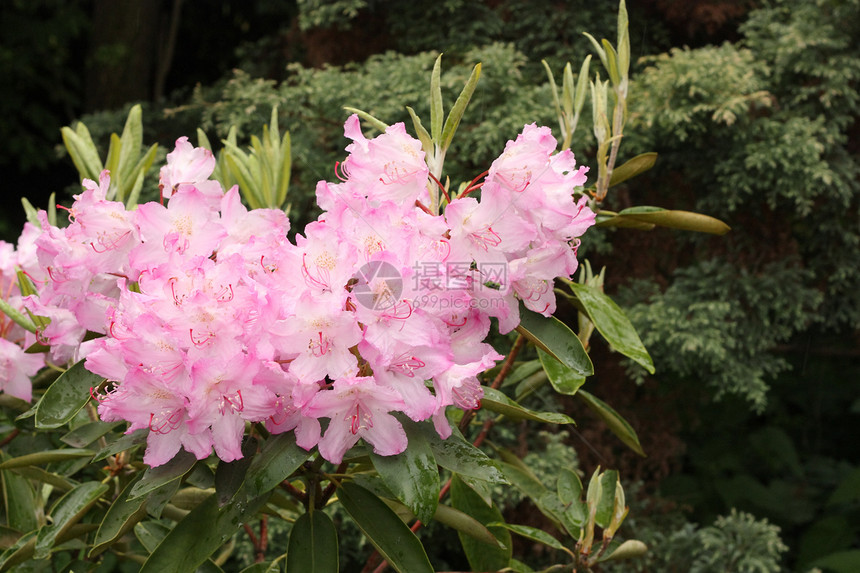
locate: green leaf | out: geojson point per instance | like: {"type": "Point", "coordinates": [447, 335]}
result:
{"type": "Point", "coordinates": [17, 317]}
{"type": "Point", "coordinates": [112, 161]}
{"type": "Point", "coordinates": [453, 119]}
{"type": "Point", "coordinates": [68, 510]}
{"type": "Point", "coordinates": [120, 518]}
{"type": "Point", "coordinates": [556, 339]}
{"type": "Point", "coordinates": [841, 561]}
{"type": "Point", "coordinates": [496, 401]}
{"type": "Point", "coordinates": [421, 132]}
{"type": "Point", "coordinates": [412, 476]}
{"type": "Point", "coordinates": [633, 167]}
{"type": "Point", "coordinates": [45, 457]}
{"type": "Point", "coordinates": [436, 112]}
{"type": "Point", "coordinates": [563, 379]}
{"type": "Point", "coordinates": [31, 212]}
{"type": "Point", "coordinates": [150, 534]}
{"type": "Point", "coordinates": [132, 141]}
{"type": "Point", "coordinates": [633, 548]}
{"type": "Point", "coordinates": [684, 220]}
{"type": "Point", "coordinates": [608, 481]}
{"type": "Point", "coordinates": [19, 501]}
{"type": "Point", "coordinates": [460, 456]}
{"type": "Point", "coordinates": [313, 545]}
{"type": "Point", "coordinates": [613, 324]}
{"type": "Point", "coordinates": [465, 523]}
{"type": "Point", "coordinates": [157, 499]}
{"type": "Point", "coordinates": [278, 459]}
{"type": "Point", "coordinates": [482, 557]}
{"type": "Point", "coordinates": [126, 442]}
{"type": "Point", "coordinates": [229, 476]}
{"type": "Point", "coordinates": [614, 421]}
{"type": "Point", "coordinates": [35, 473]}
{"type": "Point", "coordinates": [85, 435]}
{"type": "Point", "coordinates": [286, 170]}
{"type": "Point", "coordinates": [391, 537]}
{"type": "Point", "coordinates": [66, 396]}
{"type": "Point", "coordinates": [199, 534]}
{"type": "Point", "coordinates": [378, 124]}
{"type": "Point", "coordinates": [535, 534]}
{"type": "Point", "coordinates": [82, 151]}
{"type": "Point", "coordinates": [154, 478]}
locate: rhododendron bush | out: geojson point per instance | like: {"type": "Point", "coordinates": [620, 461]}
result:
{"type": "Point", "coordinates": [193, 370]}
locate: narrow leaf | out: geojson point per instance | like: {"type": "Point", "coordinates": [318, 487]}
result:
{"type": "Point", "coordinates": [378, 124]}
{"type": "Point", "coordinates": [278, 459]}
{"type": "Point", "coordinates": [154, 478]}
{"type": "Point", "coordinates": [556, 339]}
{"type": "Point", "coordinates": [132, 141]}
{"type": "Point", "coordinates": [229, 476]}
{"type": "Point", "coordinates": [126, 442]}
{"type": "Point", "coordinates": [614, 421]}
{"type": "Point", "coordinates": [199, 534]}
{"type": "Point", "coordinates": [387, 532]}
{"type": "Point", "coordinates": [421, 132]}
{"type": "Point", "coordinates": [436, 112]}
{"type": "Point", "coordinates": [684, 220]}
{"type": "Point", "coordinates": [453, 120]}
{"type": "Point", "coordinates": [613, 324]}
{"type": "Point", "coordinates": [313, 545]}
{"type": "Point", "coordinates": [465, 523]}
{"type": "Point", "coordinates": [482, 557]}
{"type": "Point", "coordinates": [68, 510]}
{"type": "Point", "coordinates": [496, 401]}
{"type": "Point", "coordinates": [66, 396]}
{"type": "Point", "coordinates": [120, 518]}
{"type": "Point", "coordinates": [45, 457]}
{"type": "Point", "coordinates": [83, 436]}
{"type": "Point", "coordinates": [633, 167]}
{"type": "Point", "coordinates": [535, 534]}
{"type": "Point", "coordinates": [18, 499]}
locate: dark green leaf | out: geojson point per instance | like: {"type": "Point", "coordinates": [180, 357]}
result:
{"type": "Point", "coordinates": [535, 534]}
{"type": "Point", "coordinates": [85, 435]}
{"type": "Point", "coordinates": [154, 478]}
{"type": "Point", "coordinates": [45, 457]}
{"type": "Point", "coordinates": [160, 497]}
{"type": "Point", "coordinates": [460, 456]}
{"type": "Point", "coordinates": [128, 441]}
{"type": "Point", "coordinates": [412, 475]}
{"type": "Point", "coordinates": [613, 324]}
{"type": "Point", "coordinates": [556, 339]}
{"type": "Point", "coordinates": [229, 476]}
{"type": "Point", "coordinates": [614, 421]}
{"type": "Point", "coordinates": [68, 510]}
{"type": "Point", "coordinates": [279, 458]}
{"type": "Point", "coordinates": [19, 502]}
{"type": "Point", "coordinates": [199, 534]}
{"type": "Point", "coordinates": [482, 557]}
{"type": "Point", "coordinates": [633, 167]}
{"type": "Point", "coordinates": [464, 523]}
{"type": "Point", "coordinates": [313, 545]}
{"type": "Point", "coordinates": [563, 379]}
{"type": "Point", "coordinates": [60, 483]}
{"type": "Point", "coordinates": [391, 537]}
{"type": "Point", "coordinates": [120, 518]}
{"type": "Point", "coordinates": [841, 562]}
{"type": "Point", "coordinates": [150, 534]}
{"type": "Point", "coordinates": [633, 548]}
{"type": "Point", "coordinates": [66, 396]}
{"type": "Point", "coordinates": [496, 401]}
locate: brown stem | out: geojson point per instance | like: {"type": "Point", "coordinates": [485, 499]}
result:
{"type": "Point", "coordinates": [12, 435]}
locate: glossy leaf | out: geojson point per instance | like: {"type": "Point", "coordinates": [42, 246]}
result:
{"type": "Point", "coordinates": [126, 442]}
{"type": "Point", "coordinates": [614, 421]}
{"type": "Point", "coordinates": [521, 371]}
{"type": "Point", "coordinates": [481, 556]}
{"type": "Point", "coordinates": [279, 457]}
{"type": "Point", "coordinates": [68, 510]}
{"type": "Point", "coordinates": [229, 476]}
{"type": "Point", "coordinates": [19, 501]}
{"type": "Point", "coordinates": [150, 534]}
{"type": "Point", "coordinates": [157, 499]}
{"type": "Point", "coordinates": [633, 548]}
{"type": "Point", "coordinates": [154, 478]}
{"type": "Point", "coordinates": [85, 435]}
{"type": "Point", "coordinates": [684, 220]}
{"type": "Point", "coordinates": [313, 545]}
{"type": "Point", "coordinates": [465, 523]}
{"type": "Point", "coordinates": [46, 457]}
{"type": "Point", "coordinates": [613, 324]}
{"type": "Point", "coordinates": [535, 534]}
{"type": "Point", "coordinates": [607, 498]}
{"type": "Point", "coordinates": [199, 534]}
{"type": "Point", "coordinates": [563, 379]}
{"type": "Point", "coordinates": [556, 339]}
{"type": "Point", "coordinates": [35, 473]}
{"type": "Point", "coordinates": [387, 532]}
{"type": "Point", "coordinates": [412, 476]}
{"type": "Point", "coordinates": [120, 518]}
{"type": "Point", "coordinates": [66, 396]}
{"type": "Point", "coordinates": [633, 167]}
{"type": "Point", "coordinates": [496, 401]}
{"type": "Point", "coordinates": [460, 456]}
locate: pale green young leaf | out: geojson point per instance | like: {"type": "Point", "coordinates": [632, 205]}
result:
{"type": "Point", "coordinates": [437, 113]}
{"type": "Point", "coordinates": [453, 119]}
{"type": "Point", "coordinates": [380, 126]}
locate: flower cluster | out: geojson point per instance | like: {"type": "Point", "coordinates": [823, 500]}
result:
{"type": "Point", "coordinates": [212, 319]}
